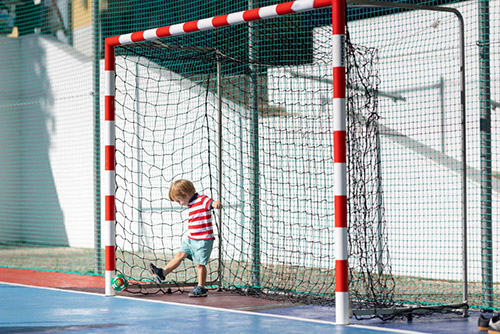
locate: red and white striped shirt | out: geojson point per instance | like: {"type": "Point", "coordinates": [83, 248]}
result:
{"type": "Point", "coordinates": [200, 218]}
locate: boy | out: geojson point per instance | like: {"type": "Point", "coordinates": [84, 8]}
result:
{"type": "Point", "coordinates": [198, 246]}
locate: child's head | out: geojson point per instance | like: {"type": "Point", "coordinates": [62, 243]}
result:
{"type": "Point", "coordinates": [181, 191]}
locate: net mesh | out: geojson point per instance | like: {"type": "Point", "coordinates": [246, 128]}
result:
{"type": "Point", "coordinates": [370, 275]}
{"type": "Point", "coordinates": [275, 234]}
{"type": "Point", "coordinates": [165, 130]}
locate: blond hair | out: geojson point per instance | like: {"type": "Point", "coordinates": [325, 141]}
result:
{"type": "Point", "coordinates": [180, 189]}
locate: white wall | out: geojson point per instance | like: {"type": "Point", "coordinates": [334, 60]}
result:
{"type": "Point", "coordinates": [49, 130]}
{"type": "Point", "coordinates": [9, 125]}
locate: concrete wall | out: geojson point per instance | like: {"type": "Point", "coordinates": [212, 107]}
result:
{"type": "Point", "coordinates": [47, 131]}
{"type": "Point", "coordinates": [10, 92]}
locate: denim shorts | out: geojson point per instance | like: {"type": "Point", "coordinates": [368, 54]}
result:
{"type": "Point", "coordinates": [197, 250]}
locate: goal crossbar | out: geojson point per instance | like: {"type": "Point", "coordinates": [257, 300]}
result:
{"type": "Point", "coordinates": [215, 22]}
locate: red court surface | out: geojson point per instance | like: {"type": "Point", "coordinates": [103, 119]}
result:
{"type": "Point", "coordinates": [95, 284]}
{"type": "Point", "coordinates": [50, 279]}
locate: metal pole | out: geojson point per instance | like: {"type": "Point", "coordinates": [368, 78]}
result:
{"type": "Point", "coordinates": [254, 144]}
{"type": "Point", "coordinates": [443, 120]}
{"type": "Point", "coordinates": [464, 161]}
{"type": "Point", "coordinates": [97, 136]}
{"type": "Point", "coordinates": [485, 135]}
{"type": "Point", "coordinates": [140, 222]}
{"type": "Point", "coordinates": [380, 202]}
{"type": "Point", "coordinates": [219, 135]}
{"type": "Point", "coordinates": [342, 301]}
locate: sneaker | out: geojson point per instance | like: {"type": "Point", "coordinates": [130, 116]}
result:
{"type": "Point", "coordinates": [494, 325]}
{"type": "Point", "coordinates": [157, 273]}
{"type": "Point", "coordinates": [482, 323]}
{"type": "Point", "coordinates": [199, 291]}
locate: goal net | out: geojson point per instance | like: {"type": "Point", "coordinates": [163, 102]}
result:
{"type": "Point", "coordinates": [245, 112]}
{"type": "Point", "coordinates": [256, 134]}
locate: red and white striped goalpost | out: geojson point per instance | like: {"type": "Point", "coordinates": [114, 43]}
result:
{"type": "Point", "coordinates": [339, 135]}
{"type": "Point", "coordinates": [339, 162]}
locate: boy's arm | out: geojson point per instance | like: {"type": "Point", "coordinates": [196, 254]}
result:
{"type": "Point", "coordinates": [212, 204]}
{"type": "Point", "coordinates": [216, 205]}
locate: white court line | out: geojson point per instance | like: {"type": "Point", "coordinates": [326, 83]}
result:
{"type": "Point", "coordinates": [221, 309]}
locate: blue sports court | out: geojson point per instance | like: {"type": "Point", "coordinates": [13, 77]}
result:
{"type": "Point", "coordinates": [27, 309]}
{"type": "Point", "coordinates": [39, 309]}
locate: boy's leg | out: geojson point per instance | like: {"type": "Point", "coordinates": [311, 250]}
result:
{"type": "Point", "coordinates": [175, 262]}
{"type": "Point", "coordinates": [201, 255]}
{"type": "Point", "coordinates": [200, 290]}
{"type": "Point", "coordinates": [202, 274]}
